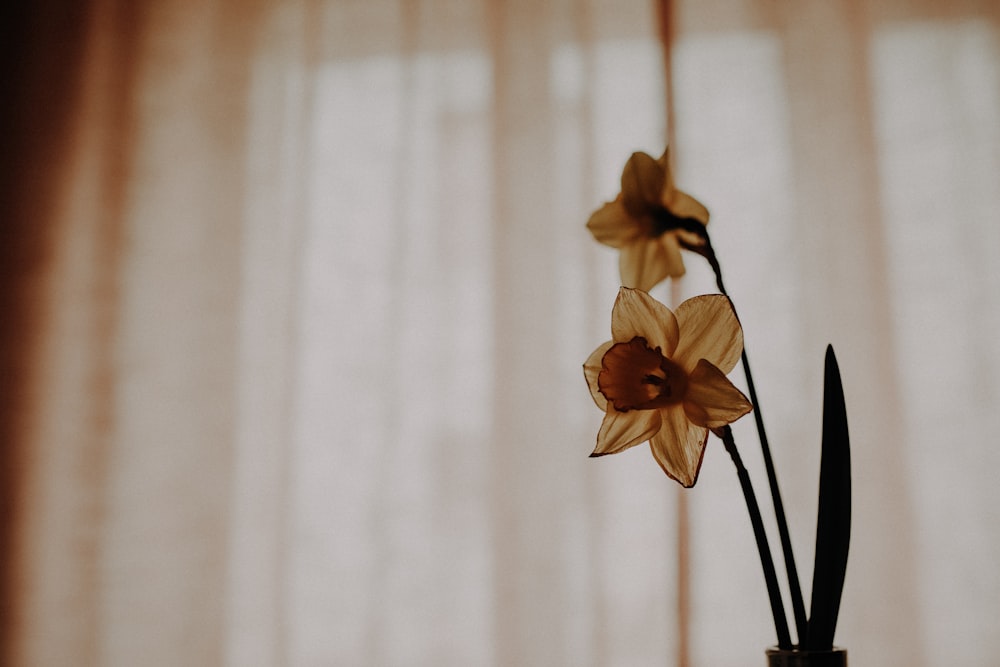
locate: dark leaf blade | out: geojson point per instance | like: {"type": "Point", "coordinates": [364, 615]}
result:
{"type": "Point", "coordinates": [833, 523]}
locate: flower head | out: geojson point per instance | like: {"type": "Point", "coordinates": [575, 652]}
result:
{"type": "Point", "coordinates": [662, 378]}
{"type": "Point", "coordinates": [642, 222]}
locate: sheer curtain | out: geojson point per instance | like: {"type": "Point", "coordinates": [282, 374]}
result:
{"type": "Point", "coordinates": [298, 295]}
{"type": "Point", "coordinates": [851, 154]}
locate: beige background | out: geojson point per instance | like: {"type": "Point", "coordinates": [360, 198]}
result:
{"type": "Point", "coordinates": [302, 291]}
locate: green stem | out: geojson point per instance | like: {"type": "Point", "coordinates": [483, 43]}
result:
{"type": "Point", "coordinates": [798, 607]}
{"type": "Point", "coordinates": [767, 563]}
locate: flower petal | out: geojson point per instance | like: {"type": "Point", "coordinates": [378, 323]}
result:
{"type": "Point", "coordinates": [672, 254]}
{"type": "Point", "coordinates": [711, 399]}
{"type": "Point", "coordinates": [621, 430]}
{"type": "Point", "coordinates": [684, 205]}
{"type": "Point", "coordinates": [709, 330]}
{"type": "Point", "coordinates": [664, 162]}
{"type": "Point", "coordinates": [668, 188]}
{"type": "Point", "coordinates": [679, 447]}
{"type": "Point", "coordinates": [644, 264]}
{"type": "Point", "coordinates": [612, 225]}
{"type": "Point", "coordinates": [642, 184]}
{"type": "Point", "coordinates": [635, 313]}
{"type": "Point", "coordinates": [676, 201]}
{"type": "Point", "coordinates": [591, 369]}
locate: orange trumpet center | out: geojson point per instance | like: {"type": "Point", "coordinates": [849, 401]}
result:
{"type": "Point", "coordinates": [636, 377]}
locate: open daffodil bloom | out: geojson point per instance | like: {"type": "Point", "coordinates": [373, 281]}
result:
{"type": "Point", "coordinates": [662, 378]}
{"type": "Point", "coordinates": [642, 222]}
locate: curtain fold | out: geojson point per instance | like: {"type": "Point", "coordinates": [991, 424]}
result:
{"type": "Point", "coordinates": [41, 80]}
{"type": "Point", "coordinates": [123, 504]}
{"type": "Point", "coordinates": [297, 293]}
{"type": "Point", "coordinates": [846, 109]}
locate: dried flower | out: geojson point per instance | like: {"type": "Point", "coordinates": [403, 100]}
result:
{"type": "Point", "coordinates": [662, 378]}
{"type": "Point", "coordinates": [642, 222]}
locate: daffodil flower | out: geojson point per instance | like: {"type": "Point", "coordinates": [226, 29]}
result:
{"type": "Point", "coordinates": [662, 378]}
{"type": "Point", "coordinates": [642, 222]}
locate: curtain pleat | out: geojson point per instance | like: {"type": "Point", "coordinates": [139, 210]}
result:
{"type": "Point", "coordinates": [44, 51]}
{"type": "Point", "coordinates": [843, 108]}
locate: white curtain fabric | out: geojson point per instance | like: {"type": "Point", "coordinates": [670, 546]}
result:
{"type": "Point", "coordinates": [308, 387]}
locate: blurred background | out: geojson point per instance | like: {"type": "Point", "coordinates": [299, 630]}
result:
{"type": "Point", "coordinates": [296, 296]}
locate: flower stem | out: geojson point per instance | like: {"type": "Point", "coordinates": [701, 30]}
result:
{"type": "Point", "coordinates": [798, 607]}
{"type": "Point", "coordinates": [767, 563]}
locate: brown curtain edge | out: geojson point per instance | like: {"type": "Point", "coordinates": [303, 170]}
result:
{"type": "Point", "coordinates": [41, 55]}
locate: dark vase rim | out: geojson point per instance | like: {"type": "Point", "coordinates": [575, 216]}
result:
{"type": "Point", "coordinates": [797, 651]}
{"type": "Point", "coordinates": [794, 657]}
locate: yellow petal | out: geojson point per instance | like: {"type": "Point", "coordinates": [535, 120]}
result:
{"type": "Point", "coordinates": [709, 330]}
{"type": "Point", "coordinates": [591, 369]}
{"type": "Point", "coordinates": [612, 225]}
{"type": "Point", "coordinates": [677, 202]}
{"type": "Point", "coordinates": [711, 399]}
{"type": "Point", "coordinates": [684, 205]}
{"type": "Point", "coordinates": [679, 446]}
{"type": "Point", "coordinates": [642, 184]}
{"type": "Point", "coordinates": [664, 161]}
{"type": "Point", "coordinates": [644, 264]}
{"type": "Point", "coordinates": [621, 430]}
{"type": "Point", "coordinates": [672, 255]}
{"type": "Point", "coordinates": [635, 313]}
{"type": "Point", "coordinates": [667, 188]}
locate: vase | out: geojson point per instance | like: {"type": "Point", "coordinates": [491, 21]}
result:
{"type": "Point", "coordinates": [777, 657]}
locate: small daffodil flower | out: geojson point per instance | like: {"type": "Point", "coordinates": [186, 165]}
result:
{"type": "Point", "coordinates": [662, 378]}
{"type": "Point", "coordinates": [642, 222]}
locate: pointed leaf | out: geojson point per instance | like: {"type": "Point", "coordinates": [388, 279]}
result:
{"type": "Point", "coordinates": [833, 523]}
